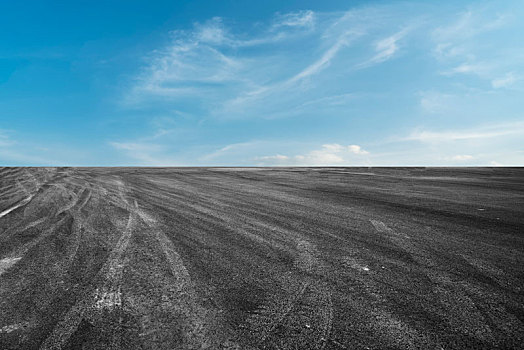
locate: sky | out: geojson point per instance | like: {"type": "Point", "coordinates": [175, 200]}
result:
{"type": "Point", "coordinates": [266, 83]}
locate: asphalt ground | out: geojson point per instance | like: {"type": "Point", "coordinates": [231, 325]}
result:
{"type": "Point", "coordinates": [261, 258]}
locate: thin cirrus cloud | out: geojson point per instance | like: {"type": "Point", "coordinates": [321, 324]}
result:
{"type": "Point", "coordinates": [385, 48]}
{"type": "Point", "coordinates": [481, 133]}
{"type": "Point", "coordinates": [144, 153]}
{"type": "Point", "coordinates": [505, 81]}
{"type": "Point", "coordinates": [295, 19]}
{"type": "Point", "coordinates": [228, 74]}
{"type": "Point", "coordinates": [468, 45]}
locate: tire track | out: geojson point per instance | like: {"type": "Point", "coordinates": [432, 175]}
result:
{"type": "Point", "coordinates": [383, 228]}
{"type": "Point", "coordinates": [285, 311]}
{"type": "Point", "coordinates": [306, 314]}
{"type": "Point", "coordinates": [30, 194]}
{"type": "Point", "coordinates": [76, 229]}
{"type": "Point", "coordinates": [72, 202]}
{"type": "Point", "coordinates": [109, 295]}
{"type": "Point", "coordinates": [7, 263]}
{"type": "Point", "coordinates": [84, 198]}
{"type": "Point", "coordinates": [20, 204]}
{"type": "Point", "coordinates": [179, 296]}
{"type": "Point", "coordinates": [106, 297]}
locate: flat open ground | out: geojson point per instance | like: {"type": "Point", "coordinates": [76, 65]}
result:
{"type": "Point", "coordinates": [269, 258]}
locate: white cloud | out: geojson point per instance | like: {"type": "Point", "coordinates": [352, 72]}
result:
{"type": "Point", "coordinates": [475, 146]}
{"type": "Point", "coordinates": [143, 153]}
{"type": "Point", "coordinates": [466, 45]}
{"type": "Point", "coordinates": [385, 48]}
{"type": "Point", "coordinates": [326, 58]}
{"type": "Point", "coordinates": [212, 32]}
{"type": "Point", "coordinates": [504, 81]}
{"type": "Point", "coordinates": [273, 159]}
{"type": "Point", "coordinates": [295, 19]}
{"type": "Point", "coordinates": [231, 74]}
{"type": "Point", "coordinates": [228, 150]}
{"type": "Point", "coordinates": [467, 68]}
{"type": "Point", "coordinates": [485, 132]}
{"type": "Point", "coordinates": [333, 147]}
{"type": "Point", "coordinates": [462, 157]}
{"type": "Point", "coordinates": [209, 64]}
{"type": "Point", "coordinates": [470, 24]}
{"type": "Point", "coordinates": [321, 157]}
{"type": "Point", "coordinates": [328, 154]}
{"type": "Point", "coordinates": [136, 147]}
{"type": "Point", "coordinates": [460, 28]}
{"type": "Point", "coordinates": [356, 149]}
{"type": "Point", "coordinates": [305, 64]}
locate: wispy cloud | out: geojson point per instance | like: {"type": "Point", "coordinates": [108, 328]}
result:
{"type": "Point", "coordinates": [326, 57]}
{"type": "Point", "coordinates": [466, 46]}
{"type": "Point", "coordinates": [385, 48]}
{"type": "Point", "coordinates": [276, 159]}
{"type": "Point", "coordinates": [228, 150]}
{"type": "Point", "coordinates": [471, 23]}
{"type": "Point", "coordinates": [4, 139]}
{"type": "Point", "coordinates": [15, 150]}
{"type": "Point", "coordinates": [295, 19]}
{"type": "Point", "coordinates": [483, 132]}
{"type": "Point", "coordinates": [505, 81]}
{"type": "Point", "coordinates": [230, 74]}
{"type": "Point", "coordinates": [467, 68]}
{"type": "Point", "coordinates": [142, 153]}
{"type": "Point", "coordinates": [136, 147]}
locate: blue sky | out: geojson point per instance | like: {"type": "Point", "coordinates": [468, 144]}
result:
{"type": "Point", "coordinates": [261, 83]}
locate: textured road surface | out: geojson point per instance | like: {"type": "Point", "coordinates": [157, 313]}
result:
{"type": "Point", "coordinates": [282, 258]}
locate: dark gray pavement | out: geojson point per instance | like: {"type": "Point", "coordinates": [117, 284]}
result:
{"type": "Point", "coordinates": [268, 258]}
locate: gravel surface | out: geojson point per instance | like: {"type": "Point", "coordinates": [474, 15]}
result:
{"type": "Point", "coordinates": [261, 258]}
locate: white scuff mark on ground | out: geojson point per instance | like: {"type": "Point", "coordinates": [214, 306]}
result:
{"type": "Point", "coordinates": [108, 300]}
{"type": "Point", "coordinates": [34, 223]}
{"type": "Point", "coordinates": [148, 219]}
{"type": "Point", "coordinates": [72, 202]}
{"type": "Point", "coordinates": [380, 226]}
{"type": "Point", "coordinates": [182, 296]}
{"type": "Point", "coordinates": [109, 296]}
{"type": "Point", "coordinates": [21, 203]}
{"type": "Point", "coordinates": [355, 264]}
{"type": "Point", "coordinates": [383, 228]}
{"type": "Point", "coordinates": [13, 327]}
{"type": "Point", "coordinates": [8, 263]}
